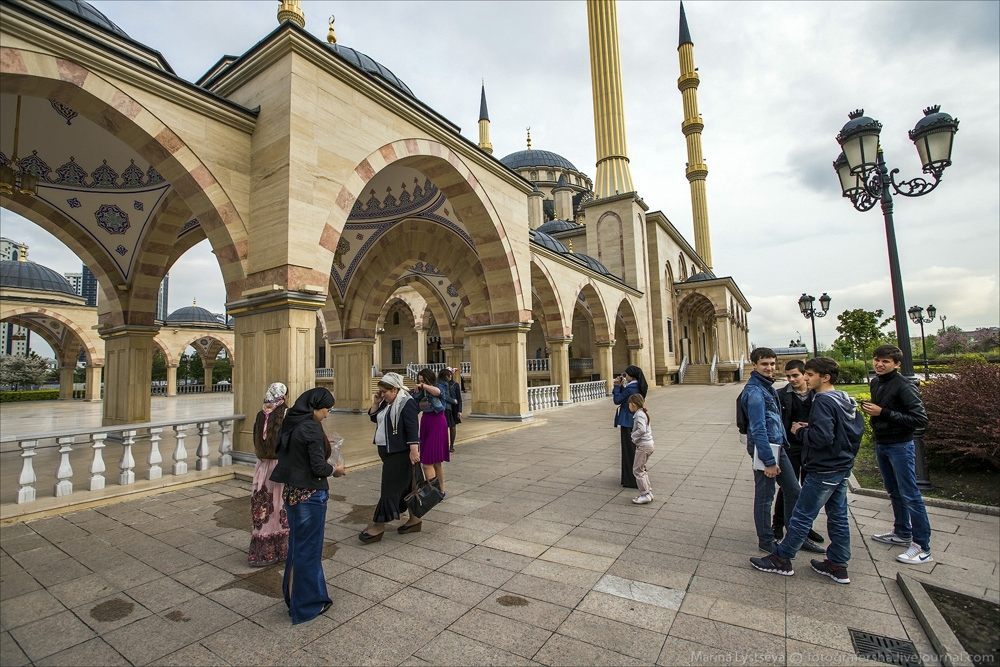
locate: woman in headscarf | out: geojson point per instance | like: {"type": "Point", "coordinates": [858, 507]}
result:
{"type": "Point", "coordinates": [397, 437]}
{"type": "Point", "coordinates": [303, 450]}
{"type": "Point", "coordinates": [632, 381]}
{"type": "Point", "coordinates": [431, 395]}
{"type": "Point", "coordinates": [269, 539]}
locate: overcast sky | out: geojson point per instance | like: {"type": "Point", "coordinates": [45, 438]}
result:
{"type": "Point", "coordinates": [777, 81]}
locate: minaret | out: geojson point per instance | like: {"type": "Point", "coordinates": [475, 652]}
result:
{"type": "Point", "coordinates": [484, 123]}
{"type": "Point", "coordinates": [291, 10]}
{"type": "Point", "coordinates": [613, 175]}
{"type": "Point", "coordinates": [692, 126]}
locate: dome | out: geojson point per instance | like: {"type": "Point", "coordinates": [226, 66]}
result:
{"type": "Point", "coordinates": [28, 275]}
{"type": "Point", "coordinates": [88, 13]}
{"type": "Point", "coordinates": [546, 241]}
{"type": "Point", "coordinates": [556, 226]}
{"type": "Point", "coordinates": [192, 315]}
{"type": "Point", "coordinates": [591, 263]}
{"type": "Point", "coordinates": [698, 277]}
{"type": "Point", "coordinates": [533, 158]}
{"type": "Point", "coordinates": [368, 65]}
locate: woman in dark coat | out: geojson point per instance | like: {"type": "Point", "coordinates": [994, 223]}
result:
{"type": "Point", "coordinates": [303, 450]}
{"type": "Point", "coordinates": [269, 539]}
{"type": "Point", "coordinates": [632, 381]}
{"type": "Point", "coordinates": [453, 406]}
{"type": "Point", "coordinates": [397, 437]}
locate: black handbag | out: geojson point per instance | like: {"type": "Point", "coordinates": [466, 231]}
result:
{"type": "Point", "coordinates": [424, 495]}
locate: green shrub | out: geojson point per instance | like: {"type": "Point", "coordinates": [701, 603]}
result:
{"type": "Point", "coordinates": [29, 395]}
{"type": "Point", "coordinates": [853, 372]}
{"type": "Point", "coordinates": [964, 415]}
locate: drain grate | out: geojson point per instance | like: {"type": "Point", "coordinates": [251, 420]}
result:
{"type": "Point", "coordinates": [885, 649]}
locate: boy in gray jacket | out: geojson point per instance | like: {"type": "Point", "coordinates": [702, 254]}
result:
{"type": "Point", "coordinates": [642, 438]}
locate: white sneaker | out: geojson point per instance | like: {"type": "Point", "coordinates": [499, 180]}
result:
{"type": "Point", "coordinates": [915, 555]}
{"type": "Point", "coordinates": [891, 538]}
{"type": "Point", "coordinates": [643, 499]}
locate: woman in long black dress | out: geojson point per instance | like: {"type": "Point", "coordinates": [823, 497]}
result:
{"type": "Point", "coordinates": [303, 450]}
{"type": "Point", "coordinates": [632, 381]}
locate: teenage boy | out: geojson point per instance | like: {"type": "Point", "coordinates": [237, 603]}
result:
{"type": "Point", "coordinates": [759, 402]}
{"type": "Point", "coordinates": [795, 400]}
{"type": "Point", "coordinates": [830, 441]}
{"type": "Point", "coordinates": [896, 411]}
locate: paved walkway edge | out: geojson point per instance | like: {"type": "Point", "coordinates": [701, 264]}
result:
{"type": "Point", "coordinates": [944, 503]}
{"type": "Point", "coordinates": [950, 651]}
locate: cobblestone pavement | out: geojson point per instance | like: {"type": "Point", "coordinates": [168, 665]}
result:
{"type": "Point", "coordinates": [536, 557]}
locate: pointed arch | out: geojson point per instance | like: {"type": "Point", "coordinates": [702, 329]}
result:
{"type": "Point", "coordinates": [556, 323]}
{"type": "Point", "coordinates": [93, 346]}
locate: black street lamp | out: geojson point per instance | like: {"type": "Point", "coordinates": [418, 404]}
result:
{"type": "Point", "coordinates": [916, 314]}
{"type": "Point", "coordinates": [809, 312]}
{"type": "Point", "coordinates": [866, 181]}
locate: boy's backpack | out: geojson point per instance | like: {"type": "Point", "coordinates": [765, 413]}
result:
{"type": "Point", "coordinates": [741, 415]}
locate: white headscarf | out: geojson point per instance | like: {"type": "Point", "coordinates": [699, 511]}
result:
{"type": "Point", "coordinates": [402, 396]}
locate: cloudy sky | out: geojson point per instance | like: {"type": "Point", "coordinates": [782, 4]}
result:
{"type": "Point", "coordinates": [777, 81]}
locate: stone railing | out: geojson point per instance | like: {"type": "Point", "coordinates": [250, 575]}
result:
{"type": "Point", "coordinates": [540, 398]}
{"type": "Point", "coordinates": [581, 364]}
{"type": "Point", "coordinates": [200, 388]}
{"type": "Point", "coordinates": [325, 373]}
{"type": "Point", "coordinates": [81, 394]}
{"type": "Point", "coordinates": [682, 371]}
{"type": "Point", "coordinates": [712, 374]}
{"type": "Point", "coordinates": [125, 436]}
{"type": "Point", "coordinates": [413, 369]}
{"type": "Point", "coordinates": [588, 391]}
{"type": "Point", "coordinates": [465, 367]}
{"type": "Point", "coordinates": [538, 365]}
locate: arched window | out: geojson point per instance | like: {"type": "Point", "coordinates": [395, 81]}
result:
{"type": "Point", "coordinates": [550, 176]}
{"type": "Point", "coordinates": [395, 317]}
{"type": "Point", "coordinates": [683, 267]}
{"type": "Point", "coordinates": [534, 176]}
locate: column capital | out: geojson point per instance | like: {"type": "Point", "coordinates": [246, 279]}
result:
{"type": "Point", "coordinates": [634, 347]}
{"type": "Point", "coordinates": [350, 341]}
{"type": "Point", "coordinates": [605, 343]}
{"type": "Point", "coordinates": [128, 330]}
{"type": "Point", "coordinates": [274, 300]}
{"type": "Point", "coordinates": [519, 327]}
{"type": "Point", "coordinates": [560, 339]}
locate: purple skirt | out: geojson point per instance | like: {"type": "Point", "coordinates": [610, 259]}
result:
{"type": "Point", "coordinates": [434, 439]}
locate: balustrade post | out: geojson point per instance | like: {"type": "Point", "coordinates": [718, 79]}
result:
{"type": "Point", "coordinates": [180, 452]}
{"type": "Point", "coordinates": [64, 474]}
{"type": "Point", "coordinates": [26, 494]}
{"type": "Point", "coordinates": [97, 465]}
{"type": "Point", "coordinates": [225, 445]}
{"type": "Point", "coordinates": [154, 459]}
{"type": "Point", "coordinates": [203, 450]}
{"type": "Point", "coordinates": [127, 463]}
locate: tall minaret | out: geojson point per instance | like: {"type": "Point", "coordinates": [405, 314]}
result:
{"type": "Point", "coordinates": [291, 10]}
{"type": "Point", "coordinates": [613, 175]}
{"type": "Point", "coordinates": [692, 126]}
{"type": "Point", "coordinates": [484, 123]}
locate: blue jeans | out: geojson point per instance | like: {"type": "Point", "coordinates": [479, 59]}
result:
{"type": "Point", "coordinates": [303, 585]}
{"type": "Point", "coordinates": [763, 498]}
{"type": "Point", "coordinates": [896, 463]}
{"type": "Point", "coordinates": [821, 489]}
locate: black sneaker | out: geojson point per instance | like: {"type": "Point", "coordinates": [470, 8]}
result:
{"type": "Point", "coordinates": [812, 547]}
{"type": "Point", "coordinates": [836, 572]}
{"type": "Point", "coordinates": [816, 537]}
{"type": "Point", "coordinates": [774, 564]}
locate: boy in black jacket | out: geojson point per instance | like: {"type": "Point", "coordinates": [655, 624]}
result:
{"type": "Point", "coordinates": [830, 441]}
{"type": "Point", "coordinates": [896, 411]}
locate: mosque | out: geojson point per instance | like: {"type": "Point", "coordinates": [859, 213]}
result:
{"type": "Point", "coordinates": [356, 229]}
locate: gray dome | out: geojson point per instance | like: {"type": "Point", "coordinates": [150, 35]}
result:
{"type": "Point", "coordinates": [591, 263]}
{"type": "Point", "coordinates": [546, 241]}
{"type": "Point", "coordinates": [28, 275]}
{"type": "Point", "coordinates": [556, 226]}
{"type": "Point", "coordinates": [533, 158]}
{"type": "Point", "coordinates": [370, 66]}
{"type": "Point", "coordinates": [88, 13]}
{"type": "Point", "coordinates": [698, 277]}
{"type": "Point", "coordinates": [191, 315]}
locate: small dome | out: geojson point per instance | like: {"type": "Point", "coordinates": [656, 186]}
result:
{"type": "Point", "coordinates": [556, 226]}
{"type": "Point", "coordinates": [591, 263]}
{"type": "Point", "coordinates": [370, 66]}
{"type": "Point", "coordinates": [28, 275]}
{"type": "Point", "coordinates": [88, 13]}
{"type": "Point", "coordinates": [533, 158]}
{"type": "Point", "coordinates": [546, 241]}
{"type": "Point", "coordinates": [192, 315]}
{"type": "Point", "coordinates": [698, 277]}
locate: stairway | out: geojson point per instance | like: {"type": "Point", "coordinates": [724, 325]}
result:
{"type": "Point", "coordinates": [698, 374]}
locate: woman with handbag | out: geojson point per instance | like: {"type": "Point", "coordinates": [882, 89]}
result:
{"type": "Point", "coordinates": [632, 381]}
{"type": "Point", "coordinates": [397, 437]}
{"type": "Point", "coordinates": [303, 450]}
{"type": "Point", "coordinates": [269, 539]}
{"type": "Point", "coordinates": [454, 410]}
{"type": "Point", "coordinates": [430, 396]}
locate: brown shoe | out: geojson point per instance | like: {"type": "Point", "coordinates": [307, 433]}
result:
{"type": "Point", "coordinates": [412, 528]}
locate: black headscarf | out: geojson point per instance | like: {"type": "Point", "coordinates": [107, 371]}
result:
{"type": "Point", "coordinates": [633, 372]}
{"type": "Point", "coordinates": [314, 399]}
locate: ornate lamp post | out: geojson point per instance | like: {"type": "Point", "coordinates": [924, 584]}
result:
{"type": "Point", "coordinates": [866, 181]}
{"type": "Point", "coordinates": [916, 314]}
{"type": "Point", "coordinates": [809, 312]}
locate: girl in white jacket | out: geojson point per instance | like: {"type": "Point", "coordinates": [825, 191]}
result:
{"type": "Point", "coordinates": [642, 438]}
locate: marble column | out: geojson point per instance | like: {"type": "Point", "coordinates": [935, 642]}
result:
{"type": "Point", "coordinates": [92, 391]}
{"type": "Point", "coordinates": [128, 361]}
{"type": "Point", "coordinates": [208, 377]}
{"type": "Point", "coordinates": [604, 364]}
{"type": "Point", "coordinates": [559, 366]}
{"type": "Point", "coordinates": [453, 354]}
{"type": "Point", "coordinates": [66, 382]}
{"type": "Point", "coordinates": [421, 345]}
{"type": "Point", "coordinates": [172, 380]}
{"type": "Point", "coordinates": [635, 357]}
{"type": "Point", "coordinates": [351, 360]}
{"type": "Point", "coordinates": [498, 356]}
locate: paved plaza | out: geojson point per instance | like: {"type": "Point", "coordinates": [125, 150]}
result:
{"type": "Point", "coordinates": [537, 556]}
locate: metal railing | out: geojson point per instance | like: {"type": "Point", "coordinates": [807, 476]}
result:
{"type": "Point", "coordinates": [538, 364]}
{"type": "Point", "coordinates": [682, 370]}
{"type": "Point", "coordinates": [581, 364]}
{"type": "Point", "coordinates": [325, 373]}
{"type": "Point", "coordinates": [540, 398]}
{"type": "Point", "coordinates": [588, 391]}
{"type": "Point", "coordinates": [712, 373]}
{"type": "Point", "coordinates": [125, 436]}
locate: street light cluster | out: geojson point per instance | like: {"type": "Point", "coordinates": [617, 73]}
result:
{"type": "Point", "coordinates": [809, 312]}
{"type": "Point", "coordinates": [916, 314]}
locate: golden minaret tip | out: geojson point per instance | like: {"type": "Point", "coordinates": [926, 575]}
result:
{"type": "Point", "coordinates": [529, 137]}
{"type": "Point", "coordinates": [331, 36]}
{"type": "Point", "coordinates": [23, 255]}
{"type": "Point", "coordinates": [291, 10]}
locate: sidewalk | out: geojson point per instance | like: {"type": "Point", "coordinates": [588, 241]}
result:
{"type": "Point", "coordinates": [536, 557]}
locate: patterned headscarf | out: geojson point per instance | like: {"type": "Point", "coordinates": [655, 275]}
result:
{"type": "Point", "coordinates": [274, 397]}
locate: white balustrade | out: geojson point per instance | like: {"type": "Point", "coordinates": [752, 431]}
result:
{"type": "Point", "coordinates": [127, 463]}
{"type": "Point", "coordinates": [97, 465]}
{"type": "Point", "coordinates": [64, 474]}
{"type": "Point", "coordinates": [324, 372]}
{"type": "Point", "coordinates": [466, 367]}
{"type": "Point", "coordinates": [538, 365]}
{"type": "Point", "coordinates": [588, 391]}
{"type": "Point", "coordinates": [180, 466]}
{"type": "Point", "coordinates": [154, 459]}
{"type": "Point", "coordinates": [225, 444]}
{"type": "Point", "coordinates": [540, 398]}
{"type": "Point", "coordinates": [203, 451]}
{"type": "Point", "coordinates": [26, 494]}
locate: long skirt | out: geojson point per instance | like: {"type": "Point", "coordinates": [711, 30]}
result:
{"type": "Point", "coordinates": [628, 459]}
{"type": "Point", "coordinates": [303, 585]}
{"type": "Point", "coordinates": [433, 438]}
{"type": "Point", "coordinates": [397, 481]}
{"type": "Point", "coordinates": [269, 539]}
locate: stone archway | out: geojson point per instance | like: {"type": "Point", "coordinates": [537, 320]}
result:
{"type": "Point", "coordinates": [696, 313]}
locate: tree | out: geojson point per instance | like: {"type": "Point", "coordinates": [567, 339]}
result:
{"type": "Point", "coordinates": [158, 372]}
{"type": "Point", "coordinates": [985, 340]}
{"type": "Point", "coordinates": [22, 371]}
{"type": "Point", "coordinates": [223, 370]}
{"type": "Point", "coordinates": [951, 342]}
{"type": "Point", "coordinates": [860, 331]}
{"type": "Point", "coordinates": [963, 408]}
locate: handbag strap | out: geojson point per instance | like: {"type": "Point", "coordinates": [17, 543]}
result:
{"type": "Point", "coordinates": [413, 473]}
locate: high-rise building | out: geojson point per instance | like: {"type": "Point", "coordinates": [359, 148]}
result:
{"type": "Point", "coordinates": [14, 339]}
{"type": "Point", "coordinates": [88, 286]}
{"type": "Point", "coordinates": [10, 250]}
{"type": "Point", "coordinates": [76, 280]}
{"type": "Point", "coordinates": [162, 309]}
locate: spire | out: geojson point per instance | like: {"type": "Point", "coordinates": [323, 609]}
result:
{"type": "Point", "coordinates": [685, 34]}
{"type": "Point", "coordinates": [484, 113]}
{"type": "Point", "coordinates": [331, 36]}
{"type": "Point", "coordinates": [23, 255]}
{"type": "Point", "coordinates": [529, 137]}
{"type": "Point", "coordinates": [291, 10]}
{"type": "Point", "coordinates": [484, 123]}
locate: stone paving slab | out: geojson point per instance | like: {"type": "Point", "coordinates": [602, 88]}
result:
{"type": "Point", "coordinates": [537, 557]}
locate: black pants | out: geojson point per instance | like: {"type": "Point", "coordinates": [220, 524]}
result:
{"type": "Point", "coordinates": [628, 458]}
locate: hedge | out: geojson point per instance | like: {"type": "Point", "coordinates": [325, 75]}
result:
{"type": "Point", "coordinates": [29, 395]}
